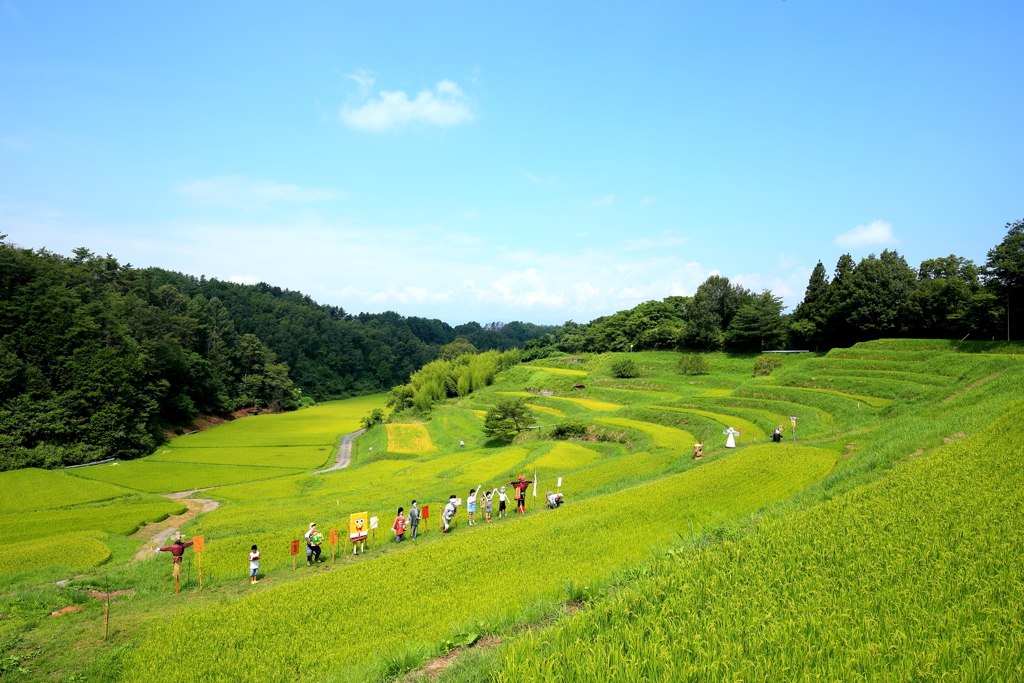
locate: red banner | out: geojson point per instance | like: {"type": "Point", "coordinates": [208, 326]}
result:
{"type": "Point", "coordinates": [426, 512]}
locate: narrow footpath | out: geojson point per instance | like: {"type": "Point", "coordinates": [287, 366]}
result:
{"type": "Point", "coordinates": [158, 533]}
{"type": "Point", "coordinates": [344, 452]}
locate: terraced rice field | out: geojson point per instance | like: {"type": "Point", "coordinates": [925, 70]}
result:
{"type": "Point", "coordinates": [35, 489]}
{"type": "Point", "coordinates": [837, 592]}
{"type": "Point", "coordinates": [751, 432]}
{"type": "Point", "coordinates": [409, 439]}
{"type": "Point", "coordinates": [461, 577]}
{"type": "Point", "coordinates": [852, 602]}
{"type": "Point", "coordinates": [665, 437]}
{"type": "Point", "coordinates": [589, 403]}
{"type": "Point", "coordinates": [155, 476]}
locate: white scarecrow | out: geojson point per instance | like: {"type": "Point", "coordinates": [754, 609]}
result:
{"type": "Point", "coordinates": [732, 434]}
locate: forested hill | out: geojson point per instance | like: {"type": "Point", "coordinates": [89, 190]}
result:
{"type": "Point", "coordinates": [97, 358]}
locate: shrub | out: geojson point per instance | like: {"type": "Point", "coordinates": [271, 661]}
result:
{"type": "Point", "coordinates": [764, 365]}
{"type": "Point", "coordinates": [374, 417]}
{"type": "Point", "coordinates": [625, 368]}
{"type": "Point", "coordinates": [569, 430]}
{"type": "Point", "coordinates": [694, 364]}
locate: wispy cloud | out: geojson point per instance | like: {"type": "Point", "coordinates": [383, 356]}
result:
{"type": "Point", "coordinates": [444, 106]}
{"type": "Point", "coordinates": [606, 200]}
{"type": "Point", "coordinates": [549, 181]}
{"type": "Point", "coordinates": [238, 191]}
{"type": "Point", "coordinates": [648, 200]}
{"type": "Point", "coordinates": [786, 261]}
{"type": "Point", "coordinates": [364, 79]}
{"type": "Point", "coordinates": [875, 233]}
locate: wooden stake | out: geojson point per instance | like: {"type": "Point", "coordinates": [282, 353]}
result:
{"type": "Point", "coordinates": [106, 618]}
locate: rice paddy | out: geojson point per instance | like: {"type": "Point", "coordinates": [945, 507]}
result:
{"type": "Point", "coordinates": [806, 554]}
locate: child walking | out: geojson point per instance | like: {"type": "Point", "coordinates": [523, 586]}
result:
{"type": "Point", "coordinates": [471, 506]}
{"type": "Point", "coordinates": [254, 565]}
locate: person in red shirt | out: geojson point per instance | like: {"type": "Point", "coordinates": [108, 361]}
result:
{"type": "Point", "coordinates": [520, 485]}
{"type": "Point", "coordinates": [399, 526]}
{"type": "Point", "coordinates": [176, 549]}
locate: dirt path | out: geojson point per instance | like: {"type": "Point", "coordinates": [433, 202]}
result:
{"type": "Point", "coordinates": [344, 452]}
{"type": "Point", "coordinates": [156, 534]}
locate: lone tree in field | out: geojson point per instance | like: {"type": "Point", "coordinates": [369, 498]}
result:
{"type": "Point", "coordinates": [460, 347]}
{"type": "Point", "coordinates": [508, 416]}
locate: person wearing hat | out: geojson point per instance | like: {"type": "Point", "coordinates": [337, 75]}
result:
{"type": "Point", "coordinates": [313, 540]}
{"type": "Point", "coordinates": [414, 521]}
{"type": "Point", "coordinates": [176, 549]}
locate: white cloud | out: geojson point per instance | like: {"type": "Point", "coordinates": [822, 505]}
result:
{"type": "Point", "coordinates": [648, 200]}
{"type": "Point", "coordinates": [244, 279]}
{"type": "Point", "coordinates": [237, 191]}
{"type": "Point", "coordinates": [364, 79]}
{"type": "Point", "coordinates": [444, 106]}
{"type": "Point", "coordinates": [414, 269]}
{"type": "Point", "coordinates": [786, 261]}
{"type": "Point", "coordinates": [606, 200]}
{"type": "Point", "coordinates": [875, 233]}
{"type": "Point", "coordinates": [549, 181]}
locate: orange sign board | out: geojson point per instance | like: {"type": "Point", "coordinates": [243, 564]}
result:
{"type": "Point", "coordinates": [334, 537]}
{"type": "Point", "coordinates": [295, 547]}
{"type": "Point", "coordinates": [198, 544]}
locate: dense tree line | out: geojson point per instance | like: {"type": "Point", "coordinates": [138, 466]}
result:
{"type": "Point", "coordinates": [879, 296]}
{"type": "Point", "coordinates": [99, 359]}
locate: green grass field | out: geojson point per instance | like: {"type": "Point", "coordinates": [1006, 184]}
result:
{"type": "Point", "coordinates": [862, 551]}
{"type": "Point", "coordinates": [35, 489]}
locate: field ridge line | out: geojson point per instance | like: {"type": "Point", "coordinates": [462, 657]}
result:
{"type": "Point", "coordinates": [973, 386]}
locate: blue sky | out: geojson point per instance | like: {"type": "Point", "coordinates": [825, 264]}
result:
{"type": "Point", "coordinates": [532, 161]}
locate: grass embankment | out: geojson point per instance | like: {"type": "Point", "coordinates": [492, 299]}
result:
{"type": "Point", "coordinates": [919, 576]}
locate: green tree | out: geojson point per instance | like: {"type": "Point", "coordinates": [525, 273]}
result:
{"type": "Point", "coordinates": [758, 325]}
{"type": "Point", "coordinates": [694, 364]}
{"type": "Point", "coordinates": [881, 289]}
{"type": "Point", "coordinates": [1004, 277]}
{"type": "Point", "coordinates": [714, 304]}
{"type": "Point", "coordinates": [459, 347]}
{"type": "Point", "coordinates": [625, 368]}
{"type": "Point", "coordinates": [808, 322]}
{"type": "Point", "coordinates": [510, 415]}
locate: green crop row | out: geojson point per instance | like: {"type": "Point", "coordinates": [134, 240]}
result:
{"type": "Point", "coordinates": [73, 551]}
{"type": "Point", "coordinates": [34, 489]}
{"type": "Point", "coordinates": [416, 594]}
{"type": "Point", "coordinates": [122, 517]}
{"type": "Point", "coordinates": [301, 457]}
{"type": "Point", "coordinates": [919, 576]}
{"type": "Point", "coordinates": [751, 431]}
{"type": "Point", "coordinates": [154, 476]}
{"type": "Point", "coordinates": [664, 437]}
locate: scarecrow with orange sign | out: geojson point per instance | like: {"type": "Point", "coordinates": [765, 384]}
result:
{"type": "Point", "coordinates": [358, 529]}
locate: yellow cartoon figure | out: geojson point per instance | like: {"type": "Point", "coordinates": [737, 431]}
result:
{"type": "Point", "coordinates": [358, 528]}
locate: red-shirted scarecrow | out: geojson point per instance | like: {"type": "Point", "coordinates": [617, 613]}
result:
{"type": "Point", "coordinates": [176, 549]}
{"type": "Point", "coordinates": [520, 485]}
